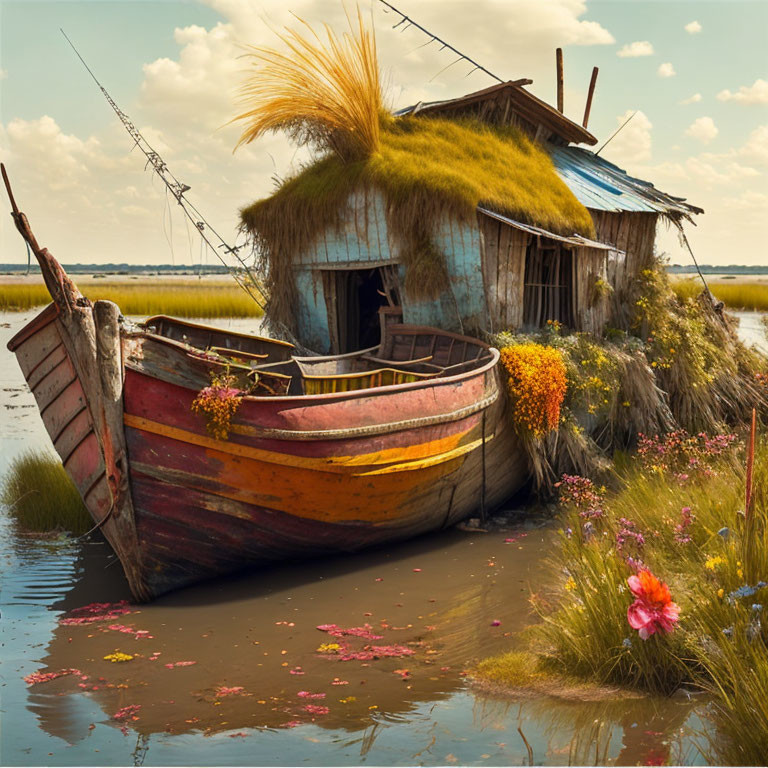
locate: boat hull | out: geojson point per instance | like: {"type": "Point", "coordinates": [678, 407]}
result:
{"type": "Point", "coordinates": [297, 477]}
{"type": "Point", "coordinates": [306, 476]}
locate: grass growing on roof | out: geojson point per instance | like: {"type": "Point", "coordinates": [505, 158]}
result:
{"type": "Point", "coordinates": [40, 496]}
{"type": "Point", "coordinates": [428, 171]}
{"type": "Point", "coordinates": [325, 92]}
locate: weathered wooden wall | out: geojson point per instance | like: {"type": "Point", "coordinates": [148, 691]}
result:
{"type": "Point", "coordinates": [633, 233]}
{"type": "Point", "coordinates": [364, 241]}
{"type": "Point", "coordinates": [592, 308]}
{"type": "Point", "coordinates": [503, 266]}
{"type": "Point", "coordinates": [486, 267]}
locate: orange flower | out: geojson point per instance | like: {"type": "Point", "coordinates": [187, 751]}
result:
{"type": "Point", "coordinates": [537, 384]}
{"type": "Point", "coordinates": [653, 609]}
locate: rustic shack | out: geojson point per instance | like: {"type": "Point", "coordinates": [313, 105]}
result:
{"type": "Point", "coordinates": [559, 240]}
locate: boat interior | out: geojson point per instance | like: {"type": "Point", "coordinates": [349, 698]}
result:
{"type": "Point", "coordinates": [266, 367]}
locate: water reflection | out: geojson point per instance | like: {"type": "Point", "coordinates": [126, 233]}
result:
{"type": "Point", "coordinates": [236, 631]}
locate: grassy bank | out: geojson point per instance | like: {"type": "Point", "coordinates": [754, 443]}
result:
{"type": "Point", "coordinates": [663, 583]}
{"type": "Point", "coordinates": [735, 295]}
{"type": "Point", "coordinates": [39, 495]}
{"type": "Point", "coordinates": [187, 298]}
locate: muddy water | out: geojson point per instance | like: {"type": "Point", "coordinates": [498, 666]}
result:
{"type": "Point", "coordinates": [435, 603]}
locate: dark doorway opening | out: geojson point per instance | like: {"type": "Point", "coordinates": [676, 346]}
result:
{"type": "Point", "coordinates": [358, 294]}
{"type": "Point", "coordinates": [549, 284]}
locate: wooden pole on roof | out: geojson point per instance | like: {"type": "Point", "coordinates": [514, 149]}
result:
{"type": "Point", "coordinates": [590, 94]}
{"type": "Point", "coordinates": [559, 59]}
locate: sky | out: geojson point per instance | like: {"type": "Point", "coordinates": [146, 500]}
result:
{"type": "Point", "coordinates": [693, 73]}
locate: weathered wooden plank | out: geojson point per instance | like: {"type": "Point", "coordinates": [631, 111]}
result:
{"type": "Point", "coordinates": [502, 270]}
{"type": "Point", "coordinates": [35, 349]}
{"type": "Point", "coordinates": [491, 231]}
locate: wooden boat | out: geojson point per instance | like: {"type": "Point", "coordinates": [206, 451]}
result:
{"type": "Point", "coordinates": [324, 454]}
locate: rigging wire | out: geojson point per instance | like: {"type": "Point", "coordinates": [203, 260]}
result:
{"type": "Point", "coordinates": [243, 274]}
{"type": "Point", "coordinates": [615, 133]}
{"type": "Point", "coordinates": [409, 22]}
{"type": "Point", "coordinates": [684, 239]}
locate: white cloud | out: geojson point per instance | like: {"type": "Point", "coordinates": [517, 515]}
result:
{"type": "Point", "coordinates": [666, 70]}
{"type": "Point", "coordinates": [633, 50]}
{"type": "Point", "coordinates": [695, 99]}
{"type": "Point", "coordinates": [693, 28]}
{"type": "Point", "coordinates": [187, 99]}
{"type": "Point", "coordinates": [757, 93]}
{"type": "Point", "coordinates": [632, 145]}
{"type": "Point", "coordinates": [750, 200]}
{"type": "Point", "coordinates": [702, 129]}
{"type": "Point", "coordinates": [3, 73]}
{"type": "Point", "coordinates": [756, 147]}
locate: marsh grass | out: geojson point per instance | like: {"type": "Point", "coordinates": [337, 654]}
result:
{"type": "Point", "coordinates": [179, 298]}
{"type": "Point", "coordinates": [738, 296]}
{"type": "Point", "coordinates": [40, 496]}
{"type": "Point", "coordinates": [717, 570]}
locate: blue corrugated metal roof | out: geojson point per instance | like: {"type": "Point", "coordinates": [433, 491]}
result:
{"type": "Point", "coordinates": [603, 186]}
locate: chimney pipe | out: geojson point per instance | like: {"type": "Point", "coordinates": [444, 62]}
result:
{"type": "Point", "coordinates": [590, 94]}
{"type": "Point", "coordinates": [559, 59]}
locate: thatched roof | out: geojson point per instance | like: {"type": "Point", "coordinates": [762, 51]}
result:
{"type": "Point", "coordinates": [446, 167]}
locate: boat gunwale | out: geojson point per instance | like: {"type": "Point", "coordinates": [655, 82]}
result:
{"type": "Point", "coordinates": [331, 396]}
{"type": "Point", "coordinates": [42, 319]}
{"type": "Point", "coordinates": [205, 327]}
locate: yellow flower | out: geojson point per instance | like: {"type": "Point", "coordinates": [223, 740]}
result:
{"type": "Point", "coordinates": [740, 573]}
{"type": "Point", "coordinates": [712, 562]}
{"type": "Point", "coordinates": [570, 584]}
{"type": "Point", "coordinates": [117, 656]}
{"type": "Point", "coordinates": [720, 593]}
{"type": "Point", "coordinates": [329, 648]}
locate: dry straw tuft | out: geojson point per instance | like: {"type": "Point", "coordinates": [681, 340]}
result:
{"type": "Point", "coordinates": [326, 92]}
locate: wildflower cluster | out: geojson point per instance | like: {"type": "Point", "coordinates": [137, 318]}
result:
{"type": "Point", "coordinates": [537, 384]}
{"type": "Point", "coordinates": [681, 454]}
{"type": "Point", "coordinates": [681, 529]}
{"type": "Point", "coordinates": [581, 494]}
{"type": "Point", "coordinates": [218, 403]}
{"type": "Point", "coordinates": [629, 537]}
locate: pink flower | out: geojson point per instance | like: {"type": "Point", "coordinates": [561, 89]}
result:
{"type": "Point", "coordinates": [653, 609]}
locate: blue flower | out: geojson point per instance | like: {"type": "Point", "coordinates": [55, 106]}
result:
{"type": "Point", "coordinates": [728, 631]}
{"type": "Point", "coordinates": [745, 591]}
{"type": "Point", "coordinates": [724, 532]}
{"type": "Point", "coordinates": [757, 607]}
{"type": "Point", "coordinates": [626, 642]}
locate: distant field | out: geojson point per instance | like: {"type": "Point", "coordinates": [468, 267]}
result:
{"type": "Point", "coordinates": [735, 295]}
{"type": "Point", "coordinates": [182, 298]}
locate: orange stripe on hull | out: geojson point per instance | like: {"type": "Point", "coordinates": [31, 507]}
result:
{"type": "Point", "coordinates": [388, 460]}
{"type": "Point", "coordinates": [308, 492]}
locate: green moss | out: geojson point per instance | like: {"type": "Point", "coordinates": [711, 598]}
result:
{"type": "Point", "coordinates": [40, 496]}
